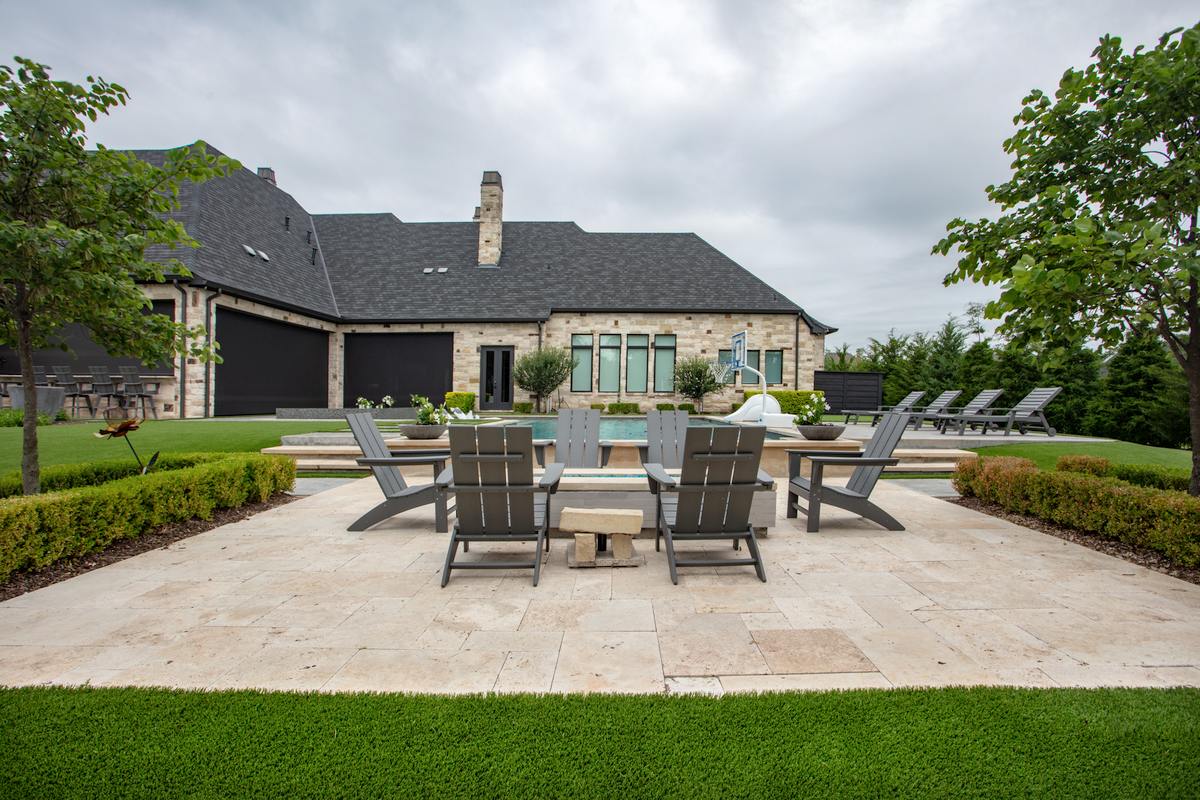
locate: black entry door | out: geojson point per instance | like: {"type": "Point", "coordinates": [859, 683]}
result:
{"type": "Point", "coordinates": [398, 365]}
{"type": "Point", "coordinates": [495, 378]}
{"type": "Point", "coordinates": [267, 364]}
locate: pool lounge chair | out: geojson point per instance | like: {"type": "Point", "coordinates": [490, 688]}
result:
{"type": "Point", "coordinates": [940, 405]}
{"type": "Point", "coordinates": [905, 405]}
{"type": "Point", "coordinates": [1027, 414]}
{"type": "Point", "coordinates": [713, 494]}
{"type": "Point", "coordinates": [976, 405]}
{"type": "Point", "coordinates": [491, 476]}
{"type": "Point", "coordinates": [384, 464]}
{"type": "Point", "coordinates": [855, 496]}
{"type": "Point", "coordinates": [576, 440]}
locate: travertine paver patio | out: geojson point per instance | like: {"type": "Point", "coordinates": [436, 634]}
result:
{"type": "Point", "coordinates": [291, 600]}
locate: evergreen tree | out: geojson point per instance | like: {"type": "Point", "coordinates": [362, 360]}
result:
{"type": "Point", "coordinates": [976, 370]}
{"type": "Point", "coordinates": [1140, 397]}
{"type": "Point", "coordinates": [1016, 372]}
{"type": "Point", "coordinates": [888, 357]}
{"type": "Point", "coordinates": [946, 357]}
{"type": "Point", "coordinates": [1079, 376]}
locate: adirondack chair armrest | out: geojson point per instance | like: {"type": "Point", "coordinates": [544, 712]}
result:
{"type": "Point", "coordinates": [605, 452]}
{"type": "Point", "coordinates": [838, 461]}
{"type": "Point", "coordinates": [446, 478]}
{"type": "Point", "coordinates": [643, 451]}
{"type": "Point", "coordinates": [539, 450]}
{"type": "Point", "coordinates": [796, 458]}
{"type": "Point", "coordinates": [399, 461]}
{"type": "Point", "coordinates": [765, 480]}
{"type": "Point", "coordinates": [658, 477]}
{"type": "Point", "coordinates": [551, 477]}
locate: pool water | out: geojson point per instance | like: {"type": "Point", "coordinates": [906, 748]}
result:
{"type": "Point", "coordinates": [621, 428]}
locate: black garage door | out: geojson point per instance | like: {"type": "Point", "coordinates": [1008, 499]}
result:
{"type": "Point", "coordinates": [398, 364]}
{"type": "Point", "coordinates": [268, 365]}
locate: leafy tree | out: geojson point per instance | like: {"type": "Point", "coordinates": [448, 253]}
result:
{"type": "Point", "coordinates": [74, 226]}
{"type": "Point", "coordinates": [842, 360]}
{"type": "Point", "coordinates": [1139, 398]}
{"type": "Point", "coordinates": [541, 372]}
{"type": "Point", "coordinates": [1098, 228]}
{"type": "Point", "coordinates": [694, 379]}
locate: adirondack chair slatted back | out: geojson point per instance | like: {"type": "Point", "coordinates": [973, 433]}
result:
{"type": "Point", "coordinates": [492, 457]}
{"type": "Point", "coordinates": [131, 380]}
{"type": "Point", "coordinates": [886, 437]}
{"type": "Point", "coordinates": [101, 380]}
{"type": "Point", "coordinates": [665, 435]}
{"type": "Point", "coordinates": [716, 457]}
{"type": "Point", "coordinates": [1036, 401]}
{"type": "Point", "coordinates": [39, 376]}
{"type": "Point", "coordinates": [943, 401]}
{"type": "Point", "coordinates": [371, 442]}
{"type": "Point", "coordinates": [909, 400]}
{"type": "Point", "coordinates": [982, 400]}
{"type": "Point", "coordinates": [64, 378]}
{"type": "Point", "coordinates": [577, 439]}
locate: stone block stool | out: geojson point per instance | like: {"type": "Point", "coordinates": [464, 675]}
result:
{"type": "Point", "coordinates": [622, 524]}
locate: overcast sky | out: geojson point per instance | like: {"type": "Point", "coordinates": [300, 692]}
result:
{"type": "Point", "coordinates": [822, 145]}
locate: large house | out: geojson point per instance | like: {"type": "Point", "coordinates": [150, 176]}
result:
{"type": "Point", "coordinates": [317, 310]}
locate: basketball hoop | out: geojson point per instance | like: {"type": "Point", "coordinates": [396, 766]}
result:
{"type": "Point", "coordinates": [719, 370]}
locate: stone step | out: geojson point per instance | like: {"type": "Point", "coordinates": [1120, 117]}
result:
{"type": "Point", "coordinates": [923, 466]}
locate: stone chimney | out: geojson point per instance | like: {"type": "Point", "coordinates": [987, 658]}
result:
{"type": "Point", "coordinates": [267, 174]}
{"type": "Point", "coordinates": [491, 214]}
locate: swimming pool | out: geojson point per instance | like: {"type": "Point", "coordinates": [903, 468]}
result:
{"type": "Point", "coordinates": [621, 427]}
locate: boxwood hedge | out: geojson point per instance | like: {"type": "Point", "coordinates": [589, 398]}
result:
{"type": "Point", "coordinates": [94, 505]}
{"type": "Point", "coordinates": [1162, 520]}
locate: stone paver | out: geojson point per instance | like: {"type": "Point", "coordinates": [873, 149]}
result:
{"type": "Point", "coordinates": [291, 600]}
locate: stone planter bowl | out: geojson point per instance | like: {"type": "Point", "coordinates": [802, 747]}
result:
{"type": "Point", "coordinates": [422, 431]}
{"type": "Point", "coordinates": [822, 433]}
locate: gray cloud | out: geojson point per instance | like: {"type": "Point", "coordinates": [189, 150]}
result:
{"type": "Point", "coordinates": [824, 145]}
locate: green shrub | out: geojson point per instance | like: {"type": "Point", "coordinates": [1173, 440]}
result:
{"type": "Point", "coordinates": [599, 406]}
{"type": "Point", "coordinates": [463, 401]}
{"type": "Point", "coordinates": [72, 476]}
{"type": "Point", "coordinates": [791, 401]}
{"type": "Point", "coordinates": [624, 408]}
{"type": "Point", "coordinates": [1150, 476]}
{"type": "Point", "coordinates": [688, 407]}
{"type": "Point", "coordinates": [522, 408]}
{"type": "Point", "coordinates": [15, 417]}
{"type": "Point", "coordinates": [1165, 521]}
{"type": "Point", "coordinates": [40, 529]}
{"type": "Point", "coordinates": [665, 406]}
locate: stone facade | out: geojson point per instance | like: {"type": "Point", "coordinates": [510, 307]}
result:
{"type": "Point", "coordinates": [702, 334]}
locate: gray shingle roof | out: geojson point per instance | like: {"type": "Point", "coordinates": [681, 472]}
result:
{"type": "Point", "coordinates": [371, 267]}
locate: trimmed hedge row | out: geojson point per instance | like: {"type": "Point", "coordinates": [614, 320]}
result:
{"type": "Point", "coordinates": [791, 401]}
{"type": "Point", "coordinates": [624, 408]}
{"type": "Point", "coordinates": [1165, 521]}
{"type": "Point", "coordinates": [72, 476]}
{"type": "Point", "coordinates": [1153, 477]}
{"type": "Point", "coordinates": [463, 401]}
{"type": "Point", "coordinates": [40, 529]}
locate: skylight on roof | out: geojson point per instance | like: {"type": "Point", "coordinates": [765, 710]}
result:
{"type": "Point", "coordinates": [428, 270]}
{"type": "Point", "coordinates": [442, 270]}
{"type": "Point", "coordinates": [250, 251]}
{"type": "Point", "coordinates": [263, 256]}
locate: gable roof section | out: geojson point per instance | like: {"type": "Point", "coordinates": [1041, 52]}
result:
{"type": "Point", "coordinates": [371, 267]}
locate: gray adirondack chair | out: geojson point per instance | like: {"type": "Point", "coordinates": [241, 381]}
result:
{"type": "Point", "coordinates": [576, 440]}
{"type": "Point", "coordinates": [713, 493]}
{"type": "Point", "coordinates": [491, 476]}
{"type": "Point", "coordinates": [384, 464]}
{"type": "Point", "coordinates": [134, 391]}
{"type": "Point", "coordinates": [855, 497]}
{"type": "Point", "coordinates": [976, 405]}
{"type": "Point", "coordinates": [940, 405]}
{"type": "Point", "coordinates": [905, 405]}
{"type": "Point", "coordinates": [72, 390]}
{"type": "Point", "coordinates": [665, 434]}
{"type": "Point", "coordinates": [1029, 413]}
{"type": "Point", "coordinates": [103, 388]}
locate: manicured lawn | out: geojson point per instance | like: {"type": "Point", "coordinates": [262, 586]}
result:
{"type": "Point", "coordinates": [72, 443]}
{"type": "Point", "coordinates": [930, 743]}
{"type": "Point", "coordinates": [1117, 452]}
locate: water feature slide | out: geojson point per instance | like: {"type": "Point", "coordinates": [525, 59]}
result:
{"type": "Point", "coordinates": [763, 409]}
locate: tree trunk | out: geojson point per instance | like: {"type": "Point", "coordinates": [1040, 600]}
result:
{"type": "Point", "coordinates": [31, 473]}
{"type": "Point", "coordinates": [1193, 376]}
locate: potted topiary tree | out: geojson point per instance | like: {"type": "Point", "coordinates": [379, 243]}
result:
{"type": "Point", "coordinates": [431, 419]}
{"type": "Point", "coordinates": [541, 372]}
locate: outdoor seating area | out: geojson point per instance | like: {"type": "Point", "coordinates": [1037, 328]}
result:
{"type": "Point", "coordinates": [979, 414]}
{"type": "Point", "coordinates": [98, 390]}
